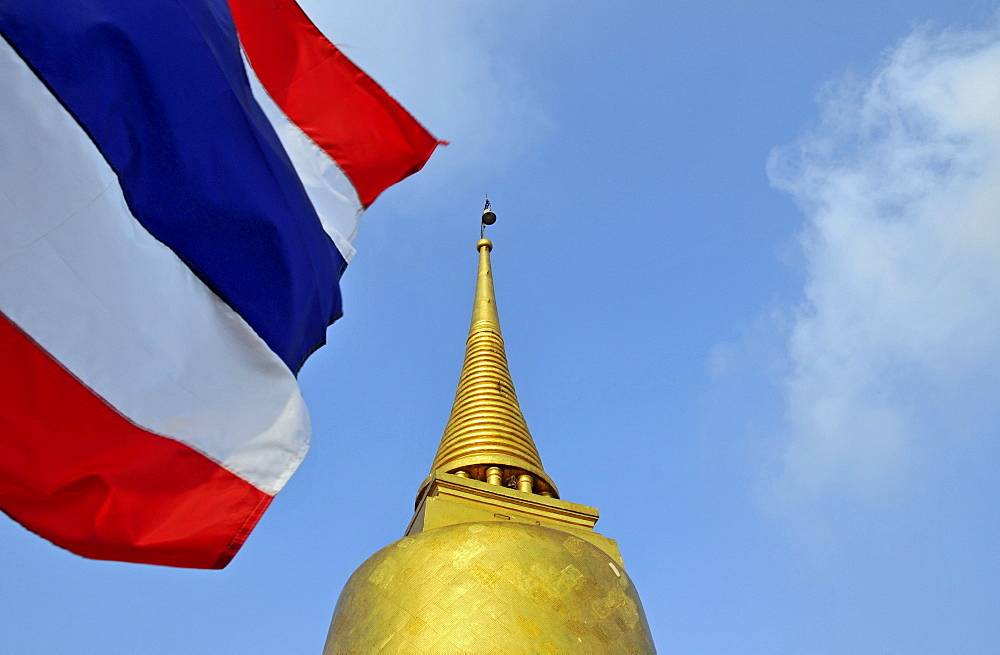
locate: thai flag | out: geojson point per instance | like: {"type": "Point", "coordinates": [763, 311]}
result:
{"type": "Point", "coordinates": [180, 184]}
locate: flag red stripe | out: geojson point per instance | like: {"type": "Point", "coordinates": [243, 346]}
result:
{"type": "Point", "coordinates": [371, 137]}
{"type": "Point", "coordinates": [76, 471]}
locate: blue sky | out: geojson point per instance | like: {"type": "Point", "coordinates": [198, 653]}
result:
{"type": "Point", "coordinates": [748, 270]}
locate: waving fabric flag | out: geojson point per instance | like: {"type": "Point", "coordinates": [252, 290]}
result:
{"type": "Point", "coordinates": [180, 184]}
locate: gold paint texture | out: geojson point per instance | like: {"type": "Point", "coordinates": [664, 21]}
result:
{"type": "Point", "coordinates": [486, 427]}
{"type": "Point", "coordinates": [491, 587]}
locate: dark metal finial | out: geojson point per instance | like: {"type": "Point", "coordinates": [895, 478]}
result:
{"type": "Point", "coordinates": [489, 218]}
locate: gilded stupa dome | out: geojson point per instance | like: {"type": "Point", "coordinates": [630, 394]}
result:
{"type": "Point", "coordinates": [501, 587]}
{"type": "Point", "coordinates": [494, 560]}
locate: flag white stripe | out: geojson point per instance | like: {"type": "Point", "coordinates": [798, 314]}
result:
{"type": "Point", "coordinates": [328, 187]}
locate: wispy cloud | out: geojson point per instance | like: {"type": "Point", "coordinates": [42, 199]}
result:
{"type": "Point", "coordinates": [899, 328]}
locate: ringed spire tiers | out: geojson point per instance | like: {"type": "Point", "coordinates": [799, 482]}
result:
{"type": "Point", "coordinates": [486, 437]}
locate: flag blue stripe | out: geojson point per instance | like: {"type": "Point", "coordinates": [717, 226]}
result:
{"type": "Point", "coordinates": [159, 86]}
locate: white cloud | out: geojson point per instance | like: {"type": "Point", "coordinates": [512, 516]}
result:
{"type": "Point", "coordinates": [900, 321]}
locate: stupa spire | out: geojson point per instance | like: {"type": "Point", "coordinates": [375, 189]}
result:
{"type": "Point", "coordinates": [486, 437]}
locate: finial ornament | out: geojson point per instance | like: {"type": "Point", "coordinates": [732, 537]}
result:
{"type": "Point", "coordinates": [489, 218]}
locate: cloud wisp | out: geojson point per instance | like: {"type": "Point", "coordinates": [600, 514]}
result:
{"type": "Point", "coordinates": [900, 322]}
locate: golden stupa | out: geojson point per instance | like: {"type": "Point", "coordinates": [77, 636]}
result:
{"type": "Point", "coordinates": [493, 560]}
